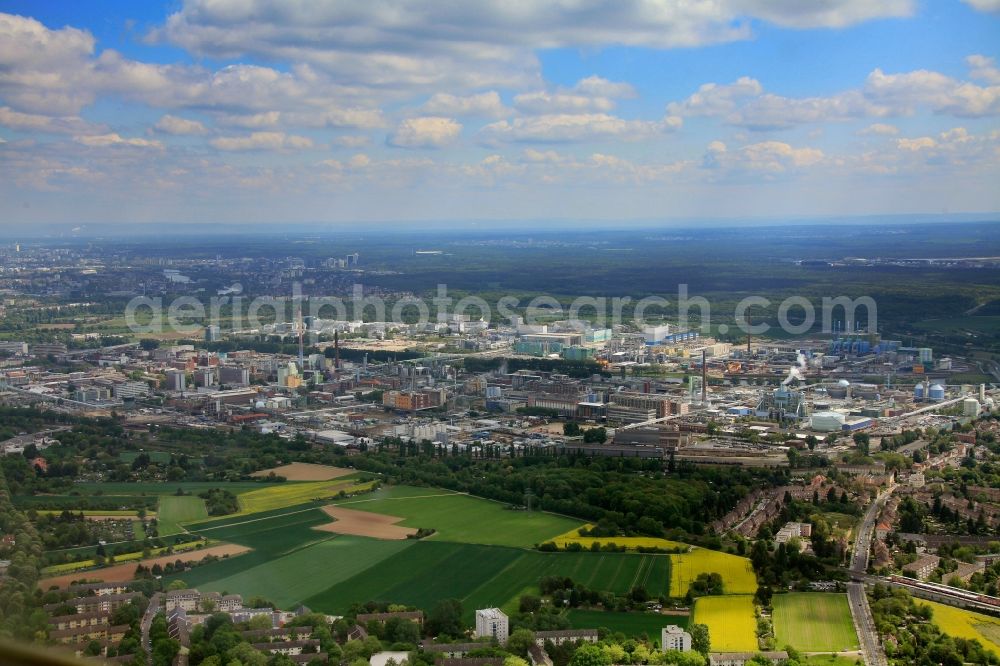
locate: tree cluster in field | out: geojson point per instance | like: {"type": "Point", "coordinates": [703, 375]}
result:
{"type": "Point", "coordinates": [783, 567]}
{"type": "Point", "coordinates": [219, 501]}
{"type": "Point", "coordinates": [910, 636]}
{"type": "Point", "coordinates": [705, 584]}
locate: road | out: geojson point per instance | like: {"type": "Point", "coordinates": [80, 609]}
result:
{"type": "Point", "coordinates": [863, 542]}
{"type": "Point", "coordinates": [864, 624]}
{"type": "Point", "coordinates": [861, 613]}
{"type": "Point", "coordinates": [147, 622]}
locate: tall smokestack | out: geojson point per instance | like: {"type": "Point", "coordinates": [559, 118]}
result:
{"type": "Point", "coordinates": [704, 378]}
{"type": "Point", "coordinates": [336, 349]}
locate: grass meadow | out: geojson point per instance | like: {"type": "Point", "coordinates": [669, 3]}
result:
{"type": "Point", "coordinates": [176, 509]}
{"type": "Point", "coordinates": [814, 622]}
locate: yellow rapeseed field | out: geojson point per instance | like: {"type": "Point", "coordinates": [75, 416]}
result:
{"type": "Point", "coordinates": [961, 623]}
{"type": "Point", "coordinates": [737, 572]}
{"type": "Point", "coordinates": [732, 626]}
{"type": "Point", "coordinates": [290, 494]}
{"type": "Point", "coordinates": [630, 543]}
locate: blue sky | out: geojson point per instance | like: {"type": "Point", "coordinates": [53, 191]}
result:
{"type": "Point", "coordinates": [263, 112]}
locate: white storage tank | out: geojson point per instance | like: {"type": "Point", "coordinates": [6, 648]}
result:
{"type": "Point", "coordinates": [970, 407]}
{"type": "Point", "coordinates": [827, 421]}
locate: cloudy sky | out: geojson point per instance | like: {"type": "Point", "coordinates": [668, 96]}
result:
{"type": "Point", "coordinates": [271, 111]}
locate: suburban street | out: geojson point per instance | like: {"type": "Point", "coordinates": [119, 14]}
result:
{"type": "Point", "coordinates": [863, 541]}
{"type": "Point", "coordinates": [147, 621]}
{"type": "Point", "coordinates": [861, 613]}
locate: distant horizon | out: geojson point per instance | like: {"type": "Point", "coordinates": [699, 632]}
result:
{"type": "Point", "coordinates": [92, 230]}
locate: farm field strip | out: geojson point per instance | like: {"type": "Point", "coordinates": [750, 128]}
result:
{"type": "Point", "coordinates": [126, 572]}
{"type": "Point", "coordinates": [124, 557]}
{"type": "Point", "coordinates": [152, 489]}
{"type": "Point", "coordinates": [814, 622]}
{"type": "Point", "coordinates": [732, 626]}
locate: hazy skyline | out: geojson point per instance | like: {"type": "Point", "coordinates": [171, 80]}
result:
{"type": "Point", "coordinates": [253, 111]}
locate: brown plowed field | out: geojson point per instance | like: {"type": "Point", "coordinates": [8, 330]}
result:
{"type": "Point", "coordinates": [306, 472]}
{"type": "Point", "coordinates": [364, 523]}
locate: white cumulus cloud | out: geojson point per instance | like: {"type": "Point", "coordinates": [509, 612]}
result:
{"type": "Point", "coordinates": [575, 127]}
{"type": "Point", "coordinates": [262, 141]}
{"type": "Point", "coordinates": [487, 104]}
{"type": "Point", "coordinates": [425, 132]}
{"type": "Point", "coordinates": [179, 126]}
{"type": "Point", "coordinates": [879, 129]}
{"type": "Point", "coordinates": [114, 139]}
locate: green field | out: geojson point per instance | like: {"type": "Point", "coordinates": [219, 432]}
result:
{"type": "Point", "coordinates": [293, 577]}
{"type": "Point", "coordinates": [291, 563]}
{"type": "Point", "coordinates": [271, 536]}
{"type": "Point", "coordinates": [484, 576]}
{"type": "Point", "coordinates": [814, 622]}
{"type": "Point", "coordinates": [732, 626]}
{"type": "Point", "coordinates": [635, 625]}
{"type": "Point", "coordinates": [174, 510]}
{"type": "Point", "coordinates": [463, 518]}
{"type": "Point", "coordinates": [737, 572]}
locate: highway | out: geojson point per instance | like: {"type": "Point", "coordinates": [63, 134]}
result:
{"type": "Point", "coordinates": [861, 613]}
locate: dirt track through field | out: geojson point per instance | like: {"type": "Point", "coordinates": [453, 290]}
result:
{"type": "Point", "coordinates": [364, 523]}
{"type": "Point", "coordinates": [121, 573]}
{"type": "Point", "coordinates": [306, 472]}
